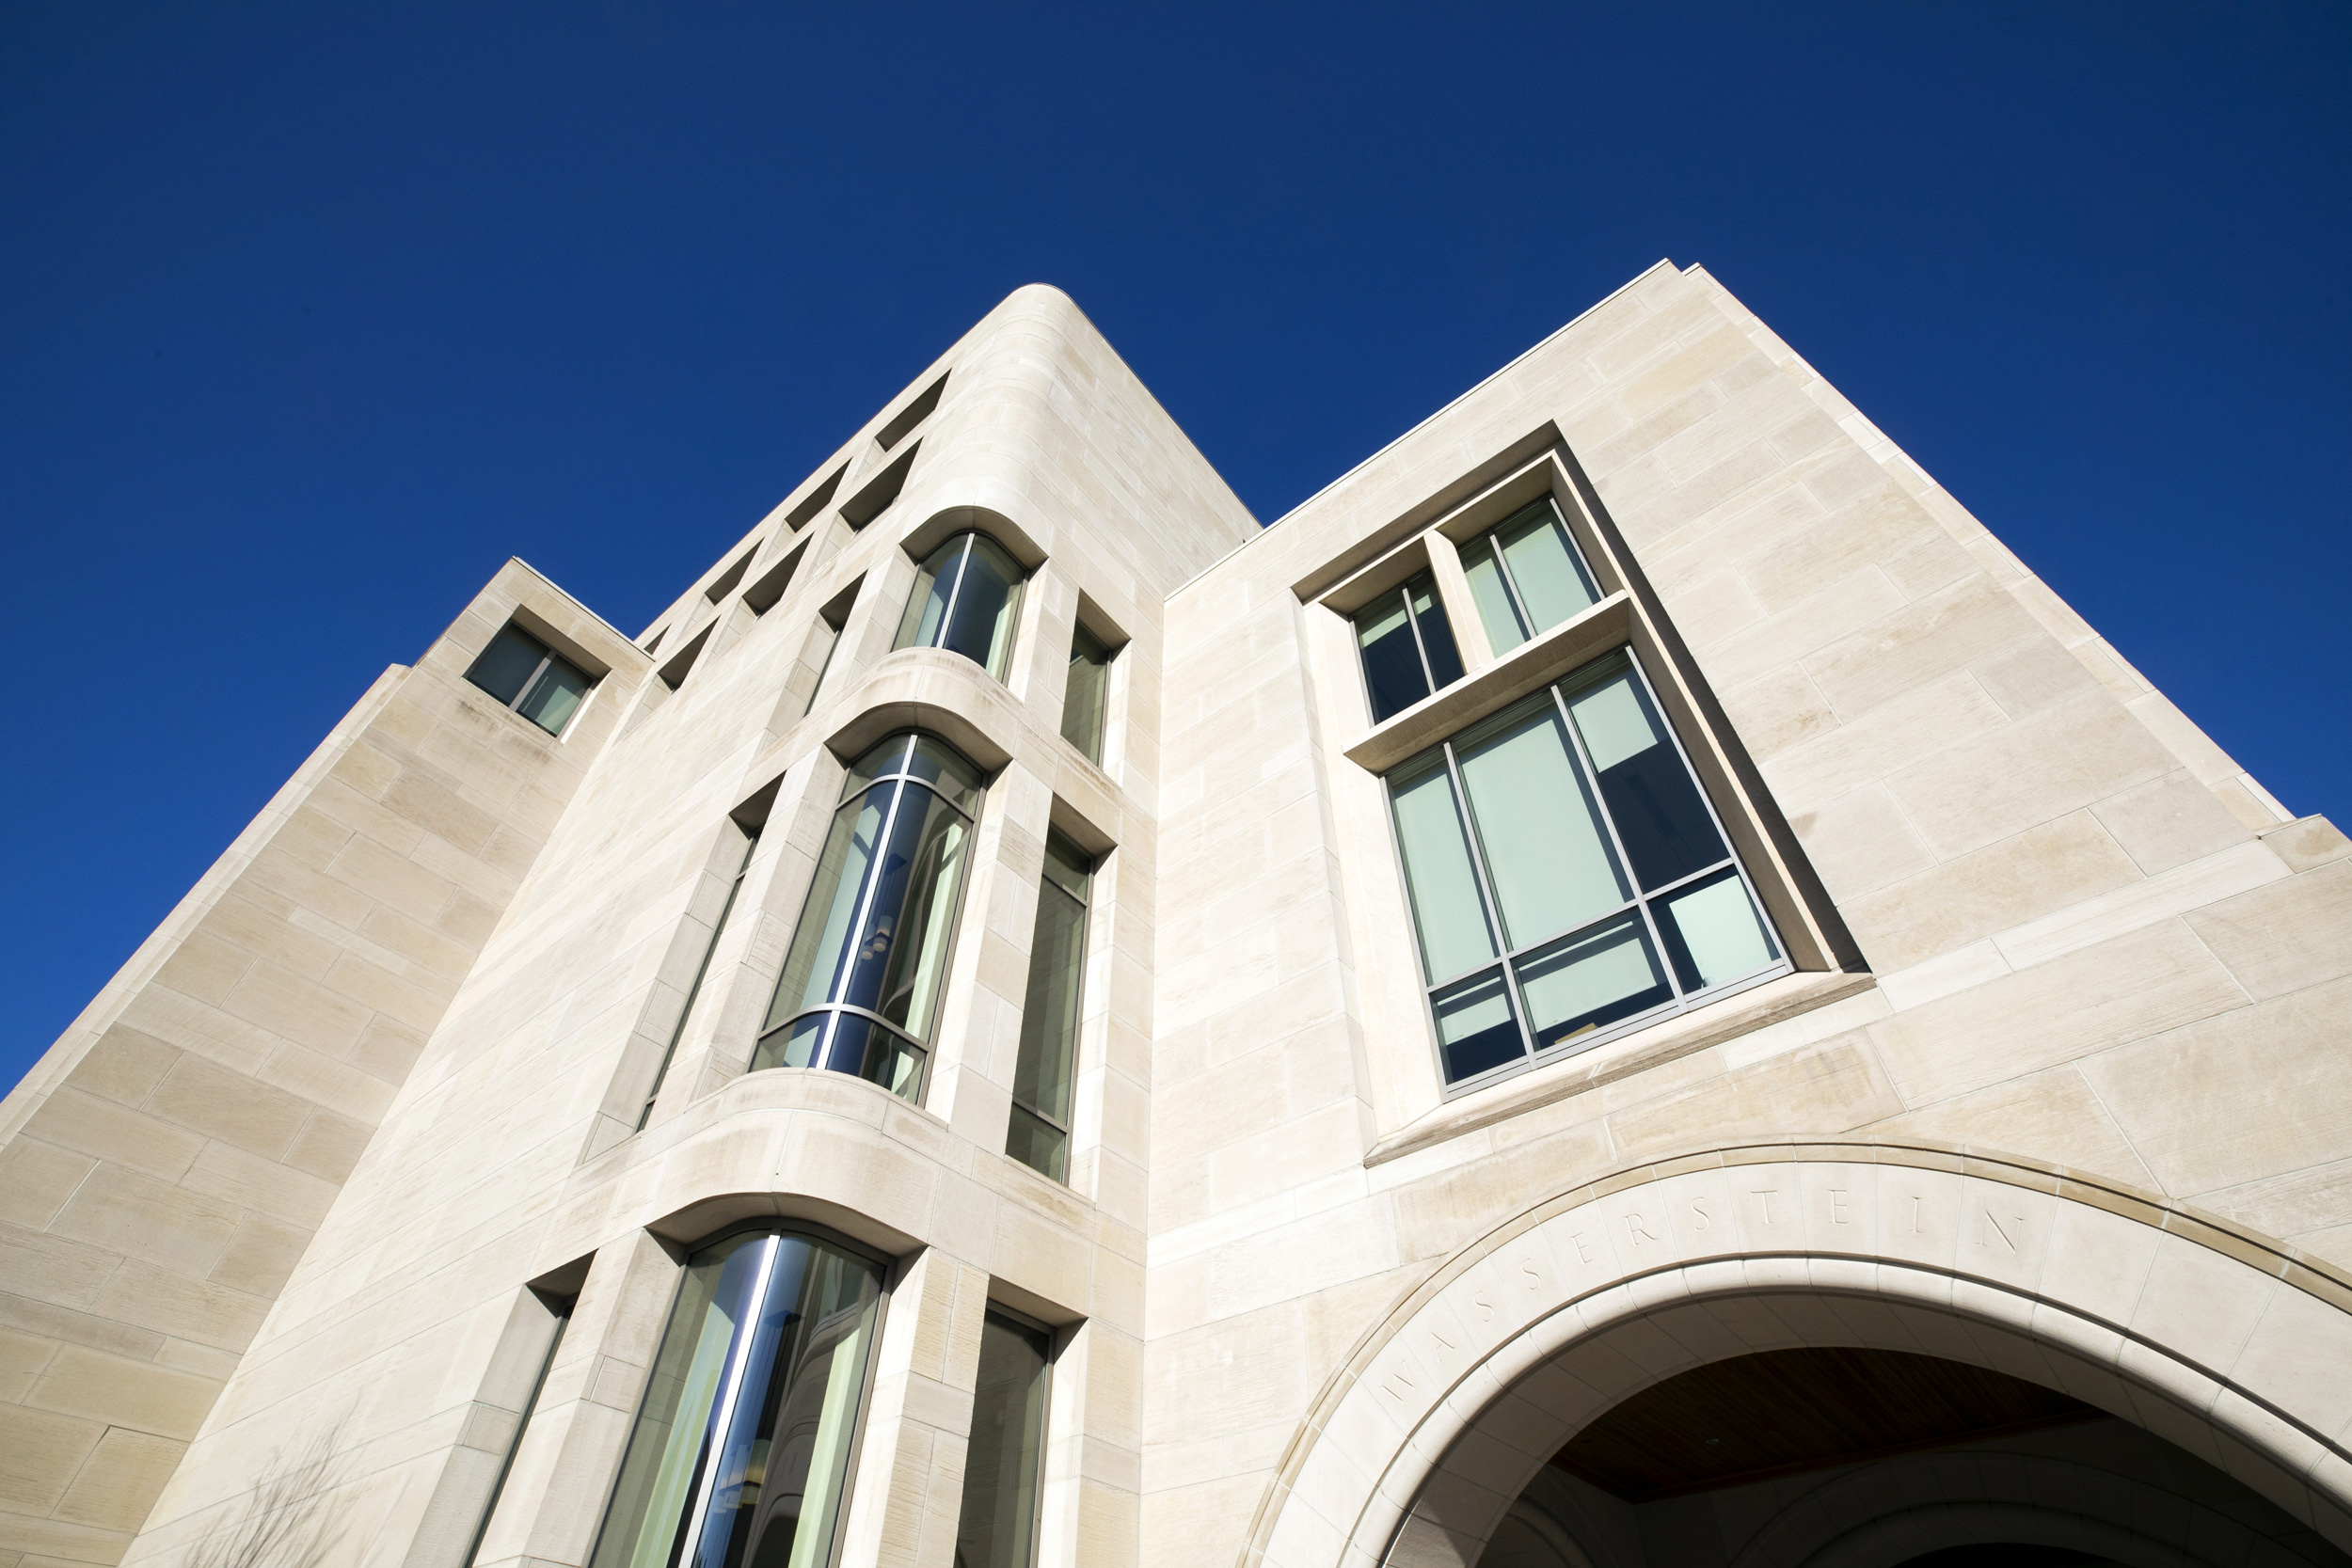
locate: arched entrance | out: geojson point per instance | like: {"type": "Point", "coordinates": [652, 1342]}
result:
{"type": "Point", "coordinates": [1422, 1449]}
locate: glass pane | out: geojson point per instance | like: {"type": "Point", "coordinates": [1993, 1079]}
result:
{"type": "Point", "coordinates": [775, 1354]}
{"type": "Point", "coordinates": [1712, 933]}
{"type": "Point", "coordinates": [986, 605]}
{"type": "Point", "coordinates": [649, 1508]}
{"type": "Point", "coordinates": [1661, 817]}
{"type": "Point", "coordinates": [935, 583]}
{"type": "Point", "coordinates": [796, 1046]}
{"type": "Point", "coordinates": [506, 663]}
{"type": "Point", "coordinates": [1392, 669]}
{"type": "Point", "coordinates": [1546, 856]}
{"type": "Point", "coordinates": [1049, 1016]}
{"type": "Point", "coordinates": [1591, 979]}
{"type": "Point", "coordinates": [1476, 1029]}
{"type": "Point", "coordinates": [1495, 610]}
{"type": "Point", "coordinates": [1550, 579]}
{"type": "Point", "coordinates": [1069, 866]}
{"type": "Point", "coordinates": [1000, 1464]}
{"type": "Point", "coordinates": [943, 768]}
{"type": "Point", "coordinates": [880, 762]}
{"type": "Point", "coordinates": [1436, 632]}
{"type": "Point", "coordinates": [1038, 1144]}
{"type": "Point", "coordinates": [555, 697]}
{"type": "Point", "coordinates": [1084, 692]}
{"type": "Point", "coordinates": [820, 944]}
{"type": "Point", "coordinates": [901, 958]}
{"type": "Point", "coordinates": [1448, 914]}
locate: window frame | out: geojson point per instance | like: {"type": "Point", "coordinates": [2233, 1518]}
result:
{"type": "Point", "coordinates": [1047, 886]}
{"type": "Point", "coordinates": [1506, 957]}
{"type": "Point", "coordinates": [1403, 592]}
{"type": "Point", "coordinates": [1053, 1341]}
{"type": "Point", "coordinates": [1491, 537]}
{"type": "Point", "coordinates": [902, 776]}
{"type": "Point", "coordinates": [886, 1268]}
{"type": "Point", "coordinates": [548, 657]}
{"type": "Point", "coordinates": [909, 620]}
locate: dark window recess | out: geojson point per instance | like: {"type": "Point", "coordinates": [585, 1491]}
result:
{"type": "Point", "coordinates": [1407, 647]}
{"type": "Point", "coordinates": [831, 621]}
{"type": "Point", "coordinates": [723, 584]}
{"type": "Point", "coordinates": [763, 595]}
{"type": "Point", "coordinates": [681, 663]}
{"type": "Point", "coordinates": [912, 415]}
{"type": "Point", "coordinates": [814, 500]}
{"type": "Point", "coordinates": [1085, 698]}
{"type": "Point", "coordinates": [1046, 1065]}
{"type": "Point", "coordinates": [531, 679]}
{"type": "Point", "coordinates": [879, 491]}
{"type": "Point", "coordinates": [998, 1525]}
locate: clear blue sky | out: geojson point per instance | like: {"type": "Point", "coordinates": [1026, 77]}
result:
{"type": "Point", "coordinates": [310, 316]}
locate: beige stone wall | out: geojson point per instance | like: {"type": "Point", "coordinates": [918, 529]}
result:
{"type": "Point", "coordinates": [2030, 907]}
{"type": "Point", "coordinates": [163, 1165]}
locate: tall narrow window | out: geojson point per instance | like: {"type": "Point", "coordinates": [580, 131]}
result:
{"type": "Point", "coordinates": [694, 992]}
{"type": "Point", "coordinates": [998, 1526]}
{"type": "Point", "coordinates": [559, 1313]}
{"type": "Point", "coordinates": [1038, 1136]}
{"type": "Point", "coordinates": [1568, 876]}
{"type": "Point", "coordinates": [966, 598]}
{"type": "Point", "coordinates": [1086, 695]}
{"type": "Point", "coordinates": [1408, 646]}
{"type": "Point", "coordinates": [531, 679]}
{"type": "Point", "coordinates": [743, 1438]}
{"type": "Point", "coordinates": [861, 983]}
{"type": "Point", "coordinates": [830, 619]}
{"type": "Point", "coordinates": [1527, 576]}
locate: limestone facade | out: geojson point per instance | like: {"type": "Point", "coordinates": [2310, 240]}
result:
{"type": "Point", "coordinates": [360, 1200]}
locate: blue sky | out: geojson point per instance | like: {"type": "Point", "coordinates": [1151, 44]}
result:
{"type": "Point", "coordinates": [310, 316]}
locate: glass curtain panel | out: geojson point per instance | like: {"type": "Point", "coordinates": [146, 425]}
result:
{"type": "Point", "coordinates": [1038, 1135]}
{"type": "Point", "coordinates": [1567, 837]}
{"type": "Point", "coordinates": [742, 1438]}
{"type": "Point", "coordinates": [966, 598]}
{"type": "Point", "coordinates": [861, 982]}
{"type": "Point", "coordinates": [997, 1527]}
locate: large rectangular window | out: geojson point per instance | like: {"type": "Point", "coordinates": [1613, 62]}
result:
{"type": "Point", "coordinates": [531, 679]}
{"type": "Point", "coordinates": [1408, 646]}
{"type": "Point", "coordinates": [1569, 878]}
{"type": "Point", "coordinates": [1038, 1136]}
{"type": "Point", "coordinates": [1527, 576]}
{"type": "Point", "coordinates": [998, 1526]}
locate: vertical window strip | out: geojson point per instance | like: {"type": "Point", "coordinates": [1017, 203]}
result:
{"type": "Point", "coordinates": [1038, 1134]}
{"type": "Point", "coordinates": [998, 1524]}
{"type": "Point", "coordinates": [694, 992]}
{"type": "Point", "coordinates": [1680, 981]}
{"type": "Point", "coordinates": [562, 1313]}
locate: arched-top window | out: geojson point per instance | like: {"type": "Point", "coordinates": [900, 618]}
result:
{"type": "Point", "coordinates": [860, 987]}
{"type": "Point", "coordinates": [966, 597]}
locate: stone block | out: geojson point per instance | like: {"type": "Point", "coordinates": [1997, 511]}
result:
{"type": "Point", "coordinates": [2285, 936]}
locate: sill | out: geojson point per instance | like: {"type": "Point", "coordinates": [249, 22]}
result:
{"type": "Point", "coordinates": [1529, 667]}
{"type": "Point", "coordinates": [1684, 1035]}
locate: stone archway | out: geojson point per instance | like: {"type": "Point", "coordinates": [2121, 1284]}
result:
{"type": "Point", "coordinates": [2233, 1347]}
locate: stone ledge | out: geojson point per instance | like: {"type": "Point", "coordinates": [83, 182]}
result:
{"type": "Point", "coordinates": [1773, 1003]}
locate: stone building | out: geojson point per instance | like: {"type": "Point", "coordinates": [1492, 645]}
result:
{"type": "Point", "coordinates": [1623, 987]}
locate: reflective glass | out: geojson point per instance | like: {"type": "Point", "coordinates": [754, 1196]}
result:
{"type": "Point", "coordinates": [940, 766]}
{"type": "Point", "coordinates": [506, 663]}
{"type": "Point", "coordinates": [934, 585]}
{"type": "Point", "coordinates": [901, 952]}
{"type": "Point", "coordinates": [1501, 618]}
{"type": "Point", "coordinates": [1049, 1015]}
{"type": "Point", "coordinates": [555, 697]}
{"type": "Point", "coordinates": [1038, 1144]}
{"type": "Point", "coordinates": [742, 1439]}
{"type": "Point", "coordinates": [1436, 632]}
{"type": "Point", "coordinates": [1448, 914]}
{"type": "Point", "coordinates": [987, 603]}
{"type": "Point", "coordinates": [1552, 582]}
{"type": "Point", "coordinates": [1393, 671]}
{"type": "Point", "coordinates": [1084, 694]}
{"type": "Point", "coordinates": [1711, 932]}
{"type": "Point", "coordinates": [998, 1525]}
{"type": "Point", "coordinates": [1591, 979]}
{"type": "Point", "coordinates": [1547, 855]}
{"type": "Point", "coordinates": [1659, 815]}
{"type": "Point", "coordinates": [820, 944]}
{"type": "Point", "coordinates": [1476, 1028]}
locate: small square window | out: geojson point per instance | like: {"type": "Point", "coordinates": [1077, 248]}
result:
{"type": "Point", "coordinates": [1407, 647]}
{"type": "Point", "coordinates": [531, 679]}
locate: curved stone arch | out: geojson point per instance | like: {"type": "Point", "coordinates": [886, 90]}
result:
{"type": "Point", "coordinates": [2235, 1347]}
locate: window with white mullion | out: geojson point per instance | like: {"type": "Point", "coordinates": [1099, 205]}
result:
{"type": "Point", "coordinates": [1568, 876]}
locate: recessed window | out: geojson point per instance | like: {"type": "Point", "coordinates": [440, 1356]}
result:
{"type": "Point", "coordinates": [912, 415]}
{"type": "Point", "coordinates": [860, 988]}
{"type": "Point", "coordinates": [1087, 692]}
{"type": "Point", "coordinates": [702, 973]}
{"type": "Point", "coordinates": [1527, 576]}
{"type": "Point", "coordinates": [825, 637]}
{"type": "Point", "coordinates": [531, 679]}
{"type": "Point", "coordinates": [968, 595]}
{"type": "Point", "coordinates": [1569, 878]}
{"type": "Point", "coordinates": [1408, 646]}
{"type": "Point", "coordinates": [997, 1527]}
{"type": "Point", "coordinates": [1038, 1136]}
{"type": "Point", "coordinates": [741, 1445]}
